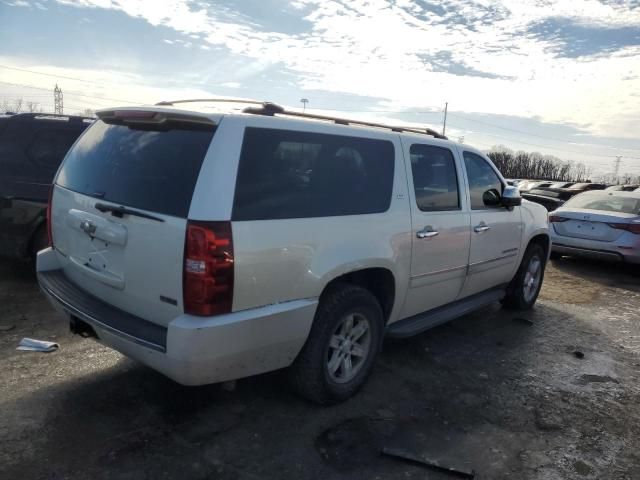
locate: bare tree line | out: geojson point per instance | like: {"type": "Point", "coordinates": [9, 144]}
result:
{"type": "Point", "coordinates": [534, 165]}
{"type": "Point", "coordinates": [623, 179]}
{"type": "Point", "coordinates": [19, 105]}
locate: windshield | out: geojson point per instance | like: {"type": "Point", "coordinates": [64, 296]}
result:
{"type": "Point", "coordinates": [149, 167]}
{"type": "Point", "coordinates": [608, 202]}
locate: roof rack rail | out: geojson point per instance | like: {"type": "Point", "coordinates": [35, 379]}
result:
{"type": "Point", "coordinates": [271, 109]}
{"type": "Point", "coordinates": [212, 100]}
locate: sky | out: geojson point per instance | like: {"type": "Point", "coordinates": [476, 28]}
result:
{"type": "Point", "coordinates": [561, 77]}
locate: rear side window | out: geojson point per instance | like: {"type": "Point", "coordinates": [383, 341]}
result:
{"type": "Point", "coordinates": [151, 167]}
{"type": "Point", "coordinates": [289, 174]}
{"type": "Point", "coordinates": [481, 178]}
{"type": "Point", "coordinates": [434, 178]}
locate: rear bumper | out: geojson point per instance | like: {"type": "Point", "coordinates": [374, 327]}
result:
{"type": "Point", "coordinates": [191, 350]}
{"type": "Point", "coordinates": [618, 251]}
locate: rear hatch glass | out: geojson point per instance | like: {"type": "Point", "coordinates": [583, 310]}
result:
{"type": "Point", "coordinates": [151, 167]}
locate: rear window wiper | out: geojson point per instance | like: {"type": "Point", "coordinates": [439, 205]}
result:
{"type": "Point", "coordinates": [120, 211]}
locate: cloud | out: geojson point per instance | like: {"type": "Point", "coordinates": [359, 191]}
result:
{"type": "Point", "coordinates": [573, 40]}
{"type": "Point", "coordinates": [564, 60]}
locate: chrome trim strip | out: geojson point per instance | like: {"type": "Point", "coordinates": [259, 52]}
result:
{"type": "Point", "coordinates": [444, 270]}
{"type": "Point", "coordinates": [90, 319]}
{"type": "Point", "coordinates": [503, 257]}
{"type": "Point", "coordinates": [558, 247]}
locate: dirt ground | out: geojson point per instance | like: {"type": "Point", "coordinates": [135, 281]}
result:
{"type": "Point", "coordinates": [550, 394]}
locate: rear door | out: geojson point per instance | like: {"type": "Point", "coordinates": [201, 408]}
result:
{"type": "Point", "coordinates": [496, 232]}
{"type": "Point", "coordinates": [120, 206]}
{"type": "Point", "coordinates": [440, 228]}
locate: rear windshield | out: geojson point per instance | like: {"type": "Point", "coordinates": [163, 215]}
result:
{"type": "Point", "coordinates": [148, 167]}
{"type": "Point", "coordinates": [608, 202]}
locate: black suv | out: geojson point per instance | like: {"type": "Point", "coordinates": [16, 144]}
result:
{"type": "Point", "coordinates": [31, 149]}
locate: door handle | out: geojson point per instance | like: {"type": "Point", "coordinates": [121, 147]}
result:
{"type": "Point", "coordinates": [483, 227]}
{"type": "Point", "coordinates": [427, 232]}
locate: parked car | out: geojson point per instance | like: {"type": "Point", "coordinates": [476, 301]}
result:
{"type": "Point", "coordinates": [531, 184]}
{"type": "Point", "coordinates": [549, 198]}
{"type": "Point", "coordinates": [31, 149]}
{"type": "Point", "coordinates": [216, 246]}
{"type": "Point", "coordinates": [598, 224]}
{"type": "Point", "coordinates": [586, 186]}
{"type": "Point", "coordinates": [622, 188]}
{"type": "Point", "coordinates": [560, 185]}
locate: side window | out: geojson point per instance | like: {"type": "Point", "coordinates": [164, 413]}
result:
{"type": "Point", "coordinates": [481, 178]}
{"type": "Point", "coordinates": [434, 178]}
{"type": "Point", "coordinates": [289, 174]}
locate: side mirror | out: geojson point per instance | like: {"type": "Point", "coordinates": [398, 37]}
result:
{"type": "Point", "coordinates": [491, 198]}
{"type": "Point", "coordinates": [511, 197]}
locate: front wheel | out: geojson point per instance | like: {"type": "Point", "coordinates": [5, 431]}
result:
{"type": "Point", "coordinates": [523, 290]}
{"type": "Point", "coordinates": [342, 346]}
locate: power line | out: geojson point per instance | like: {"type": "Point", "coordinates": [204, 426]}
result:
{"type": "Point", "coordinates": [546, 146]}
{"type": "Point", "coordinates": [48, 74]}
{"type": "Point", "coordinates": [68, 92]}
{"type": "Point", "coordinates": [464, 117]}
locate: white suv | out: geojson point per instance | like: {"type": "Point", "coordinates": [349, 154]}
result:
{"type": "Point", "coordinates": [213, 246]}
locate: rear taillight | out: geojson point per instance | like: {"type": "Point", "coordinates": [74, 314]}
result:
{"type": "Point", "coordinates": [49, 234]}
{"type": "Point", "coordinates": [208, 268]}
{"type": "Point", "coordinates": [557, 219]}
{"type": "Point", "coordinates": [629, 227]}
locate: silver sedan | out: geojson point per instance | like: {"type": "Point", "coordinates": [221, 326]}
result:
{"type": "Point", "coordinates": [598, 224]}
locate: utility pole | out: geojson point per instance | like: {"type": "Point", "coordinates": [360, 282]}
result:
{"type": "Point", "coordinates": [444, 123]}
{"type": "Point", "coordinates": [58, 106]}
{"type": "Point", "coordinates": [617, 167]}
{"type": "Point", "coordinates": [304, 104]}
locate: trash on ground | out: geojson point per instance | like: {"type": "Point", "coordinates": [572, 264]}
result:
{"type": "Point", "coordinates": [578, 354]}
{"type": "Point", "coordinates": [6, 328]}
{"type": "Point", "coordinates": [429, 463]}
{"type": "Point", "coordinates": [32, 345]}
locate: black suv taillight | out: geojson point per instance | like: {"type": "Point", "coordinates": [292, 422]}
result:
{"type": "Point", "coordinates": [207, 284]}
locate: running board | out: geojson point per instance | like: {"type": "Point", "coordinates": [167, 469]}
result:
{"type": "Point", "coordinates": [424, 321]}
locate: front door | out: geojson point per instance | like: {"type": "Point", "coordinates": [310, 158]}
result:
{"type": "Point", "coordinates": [440, 228]}
{"type": "Point", "coordinates": [496, 231]}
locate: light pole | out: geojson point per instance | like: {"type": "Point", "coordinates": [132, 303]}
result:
{"type": "Point", "coordinates": [304, 104]}
{"type": "Point", "coordinates": [444, 123]}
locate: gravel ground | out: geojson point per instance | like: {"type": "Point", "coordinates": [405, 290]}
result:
{"type": "Point", "coordinates": [549, 394]}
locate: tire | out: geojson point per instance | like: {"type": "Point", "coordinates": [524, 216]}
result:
{"type": "Point", "coordinates": [320, 373]}
{"type": "Point", "coordinates": [39, 241]}
{"type": "Point", "coordinates": [523, 291]}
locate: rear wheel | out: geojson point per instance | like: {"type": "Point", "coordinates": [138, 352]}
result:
{"type": "Point", "coordinates": [342, 346]}
{"type": "Point", "coordinates": [523, 290]}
